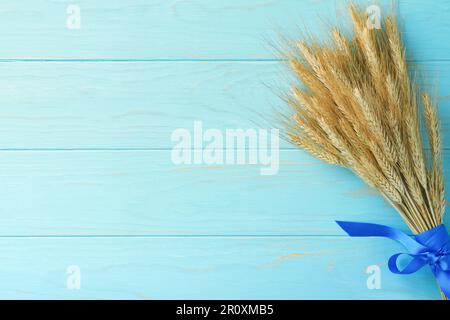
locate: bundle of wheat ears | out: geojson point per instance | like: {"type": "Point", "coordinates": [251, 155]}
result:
{"type": "Point", "coordinates": [356, 106]}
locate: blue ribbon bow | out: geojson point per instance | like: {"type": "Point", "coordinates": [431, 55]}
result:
{"type": "Point", "coordinates": [431, 247]}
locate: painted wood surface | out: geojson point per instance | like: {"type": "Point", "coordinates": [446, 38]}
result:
{"type": "Point", "coordinates": [204, 268]}
{"type": "Point", "coordinates": [143, 193]}
{"type": "Point", "coordinates": [194, 29]}
{"type": "Point", "coordinates": [87, 180]}
{"type": "Point", "coordinates": [73, 105]}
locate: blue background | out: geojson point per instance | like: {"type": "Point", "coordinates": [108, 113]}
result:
{"type": "Point", "coordinates": [86, 177]}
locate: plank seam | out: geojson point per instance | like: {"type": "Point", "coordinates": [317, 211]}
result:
{"type": "Point", "coordinates": [175, 236]}
{"type": "Point", "coordinates": [176, 60]}
{"type": "Point", "coordinates": [130, 149]}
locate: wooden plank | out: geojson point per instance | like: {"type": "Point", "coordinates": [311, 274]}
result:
{"type": "Point", "coordinates": [126, 105]}
{"type": "Point", "coordinates": [426, 29]}
{"type": "Point", "coordinates": [142, 29]}
{"type": "Point", "coordinates": [139, 105]}
{"type": "Point", "coordinates": [205, 268]}
{"type": "Point", "coordinates": [202, 29]}
{"type": "Point", "coordinates": [143, 193]}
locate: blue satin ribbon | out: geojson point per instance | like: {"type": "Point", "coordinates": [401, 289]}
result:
{"type": "Point", "coordinates": [429, 248]}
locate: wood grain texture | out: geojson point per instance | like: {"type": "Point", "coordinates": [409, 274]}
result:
{"type": "Point", "coordinates": [194, 29]}
{"type": "Point", "coordinates": [153, 29]}
{"type": "Point", "coordinates": [128, 105]}
{"type": "Point", "coordinates": [205, 268]}
{"type": "Point", "coordinates": [86, 177]}
{"type": "Point", "coordinates": [139, 105]}
{"type": "Point", "coordinates": [49, 193]}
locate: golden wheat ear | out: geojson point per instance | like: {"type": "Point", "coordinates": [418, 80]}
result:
{"type": "Point", "coordinates": [356, 106]}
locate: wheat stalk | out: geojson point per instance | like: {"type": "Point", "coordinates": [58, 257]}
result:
{"type": "Point", "coordinates": [356, 106]}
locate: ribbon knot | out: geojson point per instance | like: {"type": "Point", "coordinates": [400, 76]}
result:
{"type": "Point", "coordinates": [437, 259]}
{"type": "Point", "coordinates": [429, 248]}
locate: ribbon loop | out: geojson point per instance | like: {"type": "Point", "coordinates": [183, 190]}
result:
{"type": "Point", "coordinates": [414, 265]}
{"type": "Point", "coordinates": [431, 247]}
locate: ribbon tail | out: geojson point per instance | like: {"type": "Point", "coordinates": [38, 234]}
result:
{"type": "Point", "coordinates": [361, 229]}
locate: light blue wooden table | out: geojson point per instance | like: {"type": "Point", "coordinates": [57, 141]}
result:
{"type": "Point", "coordinates": [88, 190]}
